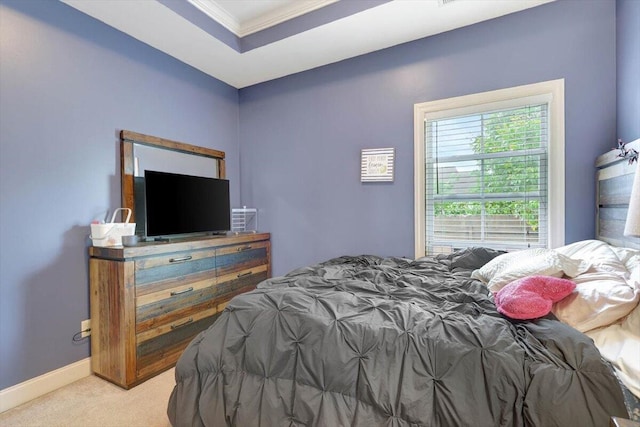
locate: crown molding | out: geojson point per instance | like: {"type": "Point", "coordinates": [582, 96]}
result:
{"type": "Point", "coordinates": [212, 9]}
{"type": "Point", "coordinates": [215, 12]}
{"type": "Point", "coordinates": [281, 15]}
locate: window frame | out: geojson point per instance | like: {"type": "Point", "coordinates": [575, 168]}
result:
{"type": "Point", "coordinates": [552, 92]}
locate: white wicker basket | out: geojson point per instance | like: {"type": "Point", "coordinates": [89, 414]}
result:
{"type": "Point", "coordinates": [110, 234]}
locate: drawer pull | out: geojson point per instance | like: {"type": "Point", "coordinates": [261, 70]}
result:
{"type": "Point", "coordinates": [179, 325]}
{"type": "Point", "coordinates": [182, 259]}
{"type": "Point", "coordinates": [244, 248]}
{"type": "Point", "coordinates": [244, 274]}
{"type": "Point", "coordinates": [184, 291]}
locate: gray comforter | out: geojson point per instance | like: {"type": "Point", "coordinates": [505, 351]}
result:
{"type": "Point", "coordinates": [366, 341]}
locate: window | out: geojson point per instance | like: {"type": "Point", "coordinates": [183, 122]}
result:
{"type": "Point", "coordinates": [489, 170]}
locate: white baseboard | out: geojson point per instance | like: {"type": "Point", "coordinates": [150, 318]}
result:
{"type": "Point", "coordinates": [45, 383]}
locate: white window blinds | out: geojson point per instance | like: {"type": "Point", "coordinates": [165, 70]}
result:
{"type": "Point", "coordinates": [486, 179]}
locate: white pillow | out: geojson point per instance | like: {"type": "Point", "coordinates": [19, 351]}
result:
{"type": "Point", "coordinates": [606, 293]}
{"type": "Point", "coordinates": [601, 298]}
{"type": "Point", "coordinates": [598, 254]}
{"type": "Point", "coordinates": [508, 267]}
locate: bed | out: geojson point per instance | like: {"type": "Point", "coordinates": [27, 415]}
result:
{"type": "Point", "coordinates": [372, 341]}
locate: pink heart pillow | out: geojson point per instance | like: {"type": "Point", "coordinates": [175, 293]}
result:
{"type": "Point", "coordinates": [532, 297]}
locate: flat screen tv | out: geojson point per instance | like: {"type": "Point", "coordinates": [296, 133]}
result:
{"type": "Point", "coordinates": [185, 205]}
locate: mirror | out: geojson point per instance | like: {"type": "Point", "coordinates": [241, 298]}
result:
{"type": "Point", "coordinates": [140, 152]}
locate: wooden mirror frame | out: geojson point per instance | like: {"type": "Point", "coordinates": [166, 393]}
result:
{"type": "Point", "coordinates": [127, 161]}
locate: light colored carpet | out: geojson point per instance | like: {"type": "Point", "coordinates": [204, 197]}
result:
{"type": "Point", "coordinates": [94, 402]}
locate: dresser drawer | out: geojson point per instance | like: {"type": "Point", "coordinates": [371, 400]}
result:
{"type": "Point", "coordinates": [242, 281]}
{"type": "Point", "coordinates": [176, 265]}
{"type": "Point", "coordinates": [241, 258]}
{"type": "Point", "coordinates": [165, 302]}
{"type": "Point", "coordinates": [160, 348]}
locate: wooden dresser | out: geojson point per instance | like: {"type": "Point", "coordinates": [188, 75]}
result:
{"type": "Point", "coordinates": [149, 301]}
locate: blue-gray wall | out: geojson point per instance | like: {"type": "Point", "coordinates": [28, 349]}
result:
{"type": "Point", "coordinates": [68, 84]}
{"type": "Point", "coordinates": [301, 135]}
{"type": "Point", "coordinates": [628, 71]}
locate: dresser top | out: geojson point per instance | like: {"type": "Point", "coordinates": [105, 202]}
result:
{"type": "Point", "coordinates": [175, 245]}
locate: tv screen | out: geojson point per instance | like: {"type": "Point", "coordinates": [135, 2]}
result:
{"type": "Point", "coordinates": [183, 204]}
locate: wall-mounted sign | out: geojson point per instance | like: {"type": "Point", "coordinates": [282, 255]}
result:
{"type": "Point", "coordinates": [377, 164]}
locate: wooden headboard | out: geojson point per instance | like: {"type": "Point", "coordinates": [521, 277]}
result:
{"type": "Point", "coordinates": [613, 191]}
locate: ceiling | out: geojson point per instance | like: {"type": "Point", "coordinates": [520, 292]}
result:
{"type": "Point", "coordinates": [245, 42]}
